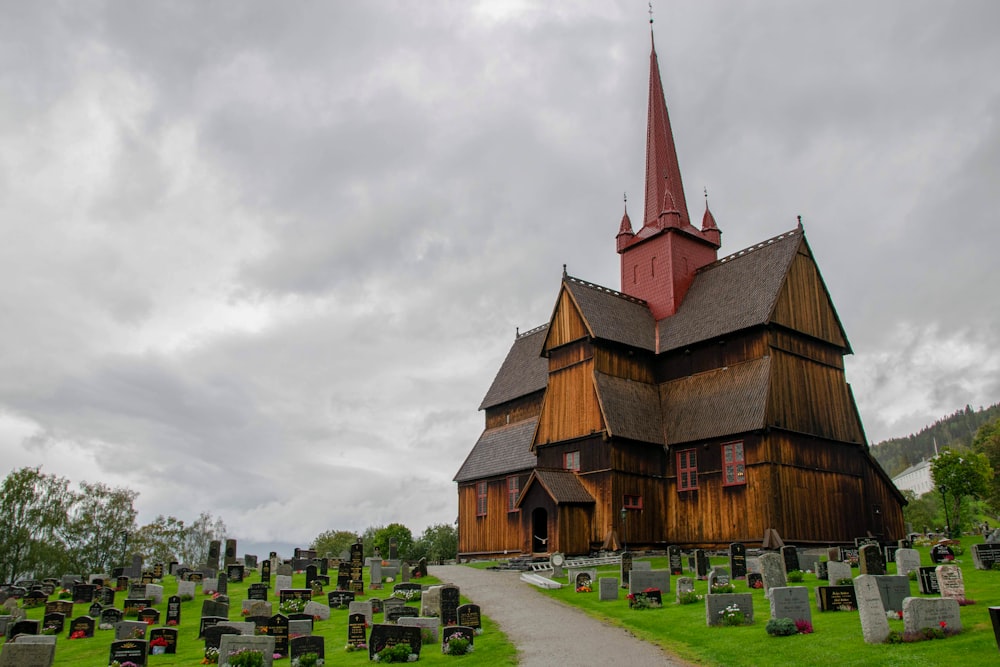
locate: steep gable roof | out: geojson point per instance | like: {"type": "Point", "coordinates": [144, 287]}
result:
{"type": "Point", "coordinates": [733, 293]}
{"type": "Point", "coordinates": [717, 403]}
{"type": "Point", "coordinates": [630, 409]}
{"type": "Point", "coordinates": [613, 316]}
{"type": "Point", "coordinates": [523, 371]}
{"type": "Point", "coordinates": [500, 451]}
{"type": "Point", "coordinates": [562, 486]}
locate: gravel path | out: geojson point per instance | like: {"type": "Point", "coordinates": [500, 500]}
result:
{"type": "Point", "coordinates": [547, 632]}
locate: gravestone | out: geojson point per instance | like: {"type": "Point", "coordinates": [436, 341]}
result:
{"type": "Point", "coordinates": [317, 611]}
{"type": "Point", "coordinates": [282, 582]}
{"type": "Point", "coordinates": [173, 610]}
{"type": "Point", "coordinates": [28, 627]}
{"type": "Point", "coordinates": [54, 622]}
{"type": "Point", "coordinates": [920, 613]}
{"type": "Point", "coordinates": [430, 600]}
{"type": "Point", "coordinates": [580, 578]}
{"type": "Point", "coordinates": [214, 608]}
{"type": "Point", "coordinates": [363, 607]}
{"type": "Point", "coordinates": [790, 556]}
{"type": "Point", "coordinates": [106, 596]}
{"type": "Point", "coordinates": [871, 560]}
{"type": "Point", "coordinates": [230, 552]}
{"type": "Point", "coordinates": [643, 580]}
{"type": "Point", "coordinates": [339, 599]}
{"type": "Point", "coordinates": [821, 572]}
{"type": "Point", "coordinates": [674, 559]}
{"type": "Point", "coordinates": [186, 588]}
{"type": "Point", "coordinates": [384, 636]}
{"type": "Point", "coordinates": [150, 616]}
{"type": "Point", "coordinates": [984, 556]}
{"type": "Point", "coordinates": [893, 589]}
{"type": "Point", "coordinates": [457, 632]}
{"type": "Point", "coordinates": [83, 593]}
{"type": "Point", "coordinates": [213, 634]}
{"type": "Point", "coordinates": [950, 581]}
{"type": "Point", "coordinates": [265, 572]}
{"type": "Point", "coordinates": [684, 585]}
{"type": "Point", "coordinates": [375, 574]}
{"type": "Point", "coordinates": [257, 592]}
{"type": "Point", "coordinates": [755, 580]}
{"type": "Point", "coordinates": [836, 598]}
{"type": "Point", "coordinates": [715, 605]}
{"type": "Point", "coordinates": [357, 630]}
{"type": "Point", "coordinates": [701, 563]}
{"type": "Point", "coordinates": [719, 576]}
{"type": "Point", "coordinates": [907, 560]}
{"type": "Point", "coordinates": [81, 624]}
{"type": "Point", "coordinates": [607, 589]}
{"type": "Point", "coordinates": [299, 646]}
{"type": "Point", "coordinates": [772, 568]}
{"type": "Point", "coordinates": [209, 585]}
{"type": "Point", "coordinates": [626, 568]}
{"type": "Point", "coordinates": [376, 604]}
{"type": "Point", "coordinates": [135, 572]}
{"type": "Point", "coordinates": [809, 561]}
{"type": "Point", "coordinates": [790, 602]}
{"type": "Point", "coordinates": [471, 615]}
{"type": "Point", "coordinates": [267, 646]}
{"type": "Point", "coordinates": [429, 627]}
{"type": "Point", "coordinates": [396, 613]}
{"type": "Point", "coordinates": [874, 624]}
{"type": "Point", "coordinates": [109, 618]}
{"type": "Point", "coordinates": [207, 622]}
{"type": "Point", "coordinates": [155, 593]}
{"type": "Point", "coordinates": [94, 610]}
{"type": "Point", "coordinates": [393, 548]}
{"type": "Point", "coordinates": [27, 655]}
{"type": "Point", "coordinates": [130, 630]}
{"type": "Point", "coordinates": [928, 581]}
{"type": "Point", "coordinates": [128, 650]}
{"type": "Point", "coordinates": [168, 635]}
{"type": "Point", "coordinates": [222, 584]}
{"type": "Point", "coordinates": [299, 627]}
{"type": "Point", "coordinates": [259, 608]}
{"type": "Point", "coordinates": [214, 548]}
{"type": "Point", "coordinates": [64, 607]}
{"type": "Point", "coordinates": [311, 572]}
{"type": "Point", "coordinates": [837, 572]}
{"type": "Point", "coordinates": [737, 560]}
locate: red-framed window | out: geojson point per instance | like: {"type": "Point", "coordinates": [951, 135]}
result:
{"type": "Point", "coordinates": [632, 502]}
{"type": "Point", "coordinates": [734, 470]}
{"type": "Point", "coordinates": [687, 470]}
{"type": "Point", "coordinates": [513, 491]}
{"type": "Point", "coordinates": [571, 460]}
{"type": "Point", "coordinates": [480, 498]}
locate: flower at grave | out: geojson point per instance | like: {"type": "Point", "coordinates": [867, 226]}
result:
{"type": "Point", "coordinates": [757, 584]}
{"type": "Point", "coordinates": [172, 621]}
{"type": "Point", "coordinates": [50, 629]}
{"type": "Point", "coordinates": [79, 634]}
{"type": "Point", "coordinates": [159, 641]}
{"type": "Point", "coordinates": [211, 656]}
{"type": "Point", "coordinates": [308, 660]}
{"type": "Point", "coordinates": [457, 646]}
{"type": "Point", "coordinates": [584, 589]}
{"type": "Point", "coordinates": [65, 594]}
{"type": "Point", "coordinates": [105, 626]}
{"type": "Point", "coordinates": [803, 626]}
{"type": "Point", "coordinates": [245, 657]}
{"type": "Point", "coordinates": [732, 615]}
{"type": "Point", "coordinates": [350, 648]}
{"type": "Point", "coordinates": [943, 624]}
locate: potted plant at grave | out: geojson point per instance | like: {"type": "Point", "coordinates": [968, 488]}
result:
{"type": "Point", "coordinates": [211, 656]}
{"type": "Point", "coordinates": [158, 646]}
{"type": "Point", "coordinates": [308, 660]}
{"type": "Point", "coordinates": [245, 657]}
{"type": "Point", "coordinates": [50, 629]}
{"type": "Point", "coordinates": [397, 653]}
{"type": "Point", "coordinates": [293, 606]}
{"type": "Point", "coordinates": [457, 645]}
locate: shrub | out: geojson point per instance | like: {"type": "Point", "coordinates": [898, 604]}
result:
{"type": "Point", "coordinates": [795, 575]}
{"type": "Point", "coordinates": [803, 626]}
{"type": "Point", "coordinates": [688, 597]}
{"type": "Point", "coordinates": [781, 627]}
{"type": "Point", "coordinates": [723, 588]}
{"type": "Point", "coordinates": [397, 653]}
{"type": "Point", "coordinates": [912, 574]}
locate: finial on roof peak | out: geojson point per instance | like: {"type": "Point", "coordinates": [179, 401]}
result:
{"type": "Point", "coordinates": [564, 270]}
{"type": "Point", "coordinates": [800, 221]}
{"type": "Point", "coordinates": [650, 13]}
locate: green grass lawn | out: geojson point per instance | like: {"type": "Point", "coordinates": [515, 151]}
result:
{"type": "Point", "coordinates": [836, 640]}
{"type": "Point", "coordinates": [491, 647]}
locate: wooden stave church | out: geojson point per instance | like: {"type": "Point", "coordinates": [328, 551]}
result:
{"type": "Point", "coordinates": [703, 404]}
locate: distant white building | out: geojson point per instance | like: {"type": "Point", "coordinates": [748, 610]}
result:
{"type": "Point", "coordinates": [916, 478]}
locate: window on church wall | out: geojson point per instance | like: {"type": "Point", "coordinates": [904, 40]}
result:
{"type": "Point", "coordinates": [513, 491]}
{"type": "Point", "coordinates": [632, 502]}
{"type": "Point", "coordinates": [687, 470]}
{"type": "Point", "coordinates": [571, 460]}
{"type": "Point", "coordinates": [480, 498]}
{"type": "Point", "coordinates": [733, 464]}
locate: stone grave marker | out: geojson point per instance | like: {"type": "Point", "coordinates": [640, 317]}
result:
{"type": "Point", "coordinates": [94, 610]}
{"type": "Point", "coordinates": [260, 608]}
{"type": "Point", "coordinates": [109, 618]}
{"type": "Point", "coordinates": [34, 598]}
{"type": "Point", "coordinates": [684, 585]}
{"type": "Point", "coordinates": [674, 559]}
{"type": "Point", "coordinates": [907, 560]}
{"type": "Point", "coordinates": [230, 552]}
{"type": "Point", "coordinates": [285, 570]}
{"type": "Point", "coordinates": [130, 630]}
{"type": "Point", "coordinates": [375, 574]}
{"type": "Point", "coordinates": [738, 560]}
{"type": "Point", "coordinates": [135, 572]}
{"type": "Point", "coordinates": [458, 632]}
{"type": "Point", "coordinates": [362, 607]}
{"type": "Point", "coordinates": [893, 589]}
{"type": "Point", "coordinates": [790, 602]}
{"type": "Point", "coordinates": [64, 607]}
{"type": "Point", "coordinates": [376, 604]}
{"type": "Point", "coordinates": [259, 623]}
{"type": "Point", "coordinates": [607, 589]}
{"type": "Point", "coordinates": [430, 600]}
{"type": "Point", "coordinates": [357, 630]}
{"type": "Point", "coordinates": [429, 627]}
{"type": "Point", "coordinates": [340, 599]}
{"type": "Point", "coordinates": [836, 598]}
{"type": "Point", "coordinates": [393, 548]}
{"type": "Point", "coordinates": [984, 556]}
{"type": "Point", "coordinates": [257, 592]}
{"type": "Point", "coordinates": [927, 578]}
{"type": "Point", "coordinates": [838, 571]}
{"type": "Point", "coordinates": [214, 550]}
{"type": "Point", "coordinates": [311, 572]}
{"type": "Point", "coordinates": [625, 569]}
{"type": "Point", "coordinates": [299, 627]}
{"type": "Point", "coordinates": [701, 564]}
{"type": "Point", "coordinates": [265, 572]}
{"type": "Point", "coordinates": [133, 606]}
{"type": "Point", "coordinates": [643, 580]}
{"type": "Point", "coordinates": [27, 655]}
{"type": "Point", "coordinates": [207, 622]}
{"type": "Point", "coordinates": [299, 646]}
{"type": "Point", "coordinates": [214, 608]}
{"type": "Point", "coordinates": [790, 556]}
{"type": "Point", "coordinates": [222, 584]}
{"type": "Point", "coordinates": [81, 627]}
{"type": "Point", "coordinates": [173, 610]}
{"type": "Point", "coordinates": [106, 596]}
{"type": "Point", "coordinates": [317, 610]}
{"type": "Point", "coordinates": [396, 613]}
{"type": "Point", "coordinates": [159, 635]}
{"type": "Point", "coordinates": [150, 615]}
{"type": "Point", "coordinates": [213, 634]}
{"type": "Point", "coordinates": [715, 605]}
{"type": "Point", "coordinates": [772, 567]}
{"type": "Point", "coordinates": [950, 581]}
{"type": "Point", "coordinates": [186, 588]}
{"type": "Point", "coordinates": [267, 646]}
{"type": "Point", "coordinates": [719, 576]}
{"type": "Point", "coordinates": [579, 578]}
{"type": "Point", "coordinates": [54, 622]}
{"type": "Point", "coordinates": [920, 613]}
{"type": "Point", "coordinates": [871, 560]}
{"type": "Point", "coordinates": [282, 582]}
{"type": "Point", "coordinates": [128, 650]}
{"type": "Point", "coordinates": [28, 627]}
{"type": "Point", "coordinates": [809, 560]}
{"type": "Point", "coordinates": [470, 615]}
{"type": "Point", "coordinates": [755, 580]}
{"type": "Point", "coordinates": [821, 570]}
{"type": "Point", "coordinates": [83, 593]}
{"type": "Point", "coordinates": [874, 624]}
{"type": "Point", "coordinates": [384, 635]}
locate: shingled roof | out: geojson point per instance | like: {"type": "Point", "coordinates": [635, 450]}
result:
{"type": "Point", "coordinates": [500, 451]}
{"type": "Point", "coordinates": [734, 293]}
{"type": "Point", "coordinates": [612, 315]}
{"type": "Point", "coordinates": [524, 370]}
{"type": "Point", "coordinates": [631, 409]}
{"type": "Point", "coordinates": [722, 402]}
{"type": "Point", "coordinates": [563, 486]}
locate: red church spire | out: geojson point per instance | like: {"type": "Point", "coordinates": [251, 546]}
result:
{"type": "Point", "coordinates": [663, 174]}
{"type": "Point", "coordinates": [625, 233]}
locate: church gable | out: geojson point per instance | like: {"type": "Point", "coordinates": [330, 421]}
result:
{"type": "Point", "coordinates": [804, 304]}
{"type": "Point", "coordinates": [567, 324]}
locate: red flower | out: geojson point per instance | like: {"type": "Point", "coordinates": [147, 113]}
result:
{"type": "Point", "coordinates": [943, 624]}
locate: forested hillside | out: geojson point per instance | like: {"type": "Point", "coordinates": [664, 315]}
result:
{"type": "Point", "coordinates": [957, 430]}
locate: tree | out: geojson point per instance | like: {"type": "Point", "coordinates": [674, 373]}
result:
{"type": "Point", "coordinates": [332, 543]}
{"type": "Point", "coordinates": [33, 511]}
{"type": "Point", "coordinates": [160, 541]}
{"type": "Point", "coordinates": [959, 475]}
{"type": "Point", "coordinates": [437, 543]}
{"type": "Point", "coordinates": [205, 529]}
{"type": "Point", "coordinates": [99, 519]}
{"type": "Point", "coordinates": [987, 443]}
{"type": "Point", "coordinates": [379, 537]}
{"type": "Point", "coordinates": [923, 511]}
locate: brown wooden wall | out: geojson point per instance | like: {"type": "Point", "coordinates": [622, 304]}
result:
{"type": "Point", "coordinates": [620, 363]}
{"type": "Point", "coordinates": [570, 409]}
{"type": "Point", "coordinates": [811, 398]}
{"type": "Point", "coordinates": [516, 410]}
{"type": "Point", "coordinates": [712, 354]}
{"type": "Point", "coordinates": [495, 533]}
{"type": "Point", "coordinates": [566, 325]}
{"type": "Point", "coordinates": [804, 305]}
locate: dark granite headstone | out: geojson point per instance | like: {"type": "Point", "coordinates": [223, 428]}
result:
{"type": "Point", "coordinates": [755, 580]}
{"type": "Point", "coordinates": [791, 556]}
{"type": "Point", "coordinates": [214, 608]}
{"type": "Point", "coordinates": [27, 627]}
{"type": "Point", "coordinates": [54, 622]}
{"type": "Point", "coordinates": [384, 635]}
{"type": "Point", "coordinates": [213, 634]}
{"type": "Point", "coordinates": [738, 560]}
{"type": "Point", "coordinates": [214, 549]}
{"type": "Point", "coordinates": [278, 628]}
{"type": "Point", "coordinates": [299, 646]}
{"type": "Point", "coordinates": [207, 622]}
{"type": "Point", "coordinates": [173, 610]}
{"type": "Point", "coordinates": [674, 558]}
{"type": "Point", "coordinates": [257, 592]}
{"type": "Point", "coordinates": [927, 578]}
{"type": "Point", "coordinates": [836, 598]}
{"type": "Point", "coordinates": [83, 593]}
{"type": "Point", "coordinates": [128, 650]}
{"type": "Point", "coordinates": [449, 605]}
{"type": "Point", "coordinates": [357, 629]}
{"type": "Point", "coordinates": [150, 615]}
{"type": "Point", "coordinates": [265, 572]}
{"type": "Point", "coordinates": [81, 627]}
{"type": "Point", "coordinates": [701, 563]}
{"type": "Point", "coordinates": [168, 635]}
{"type": "Point", "coordinates": [470, 615]}
{"type": "Point", "coordinates": [626, 568]}
{"type": "Point", "coordinates": [459, 632]}
{"type": "Point", "coordinates": [871, 560]}
{"type": "Point", "coordinates": [110, 617]}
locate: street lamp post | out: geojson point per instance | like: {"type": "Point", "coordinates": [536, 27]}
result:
{"type": "Point", "coordinates": [624, 532]}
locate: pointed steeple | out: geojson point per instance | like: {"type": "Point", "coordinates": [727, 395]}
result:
{"type": "Point", "coordinates": [663, 174]}
{"type": "Point", "coordinates": [625, 233]}
{"type": "Point", "coordinates": [709, 229]}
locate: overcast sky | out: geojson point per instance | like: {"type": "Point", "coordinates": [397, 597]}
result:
{"type": "Point", "coordinates": [263, 259]}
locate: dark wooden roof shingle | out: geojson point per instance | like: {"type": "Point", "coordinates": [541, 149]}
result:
{"type": "Point", "coordinates": [631, 409]}
{"type": "Point", "coordinates": [718, 403]}
{"type": "Point", "coordinates": [612, 315]}
{"type": "Point", "coordinates": [500, 451]}
{"type": "Point", "coordinates": [523, 372]}
{"type": "Point", "coordinates": [562, 485]}
{"type": "Point", "coordinates": [734, 293]}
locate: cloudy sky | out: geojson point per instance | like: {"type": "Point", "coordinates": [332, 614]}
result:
{"type": "Point", "coordinates": [263, 259]}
